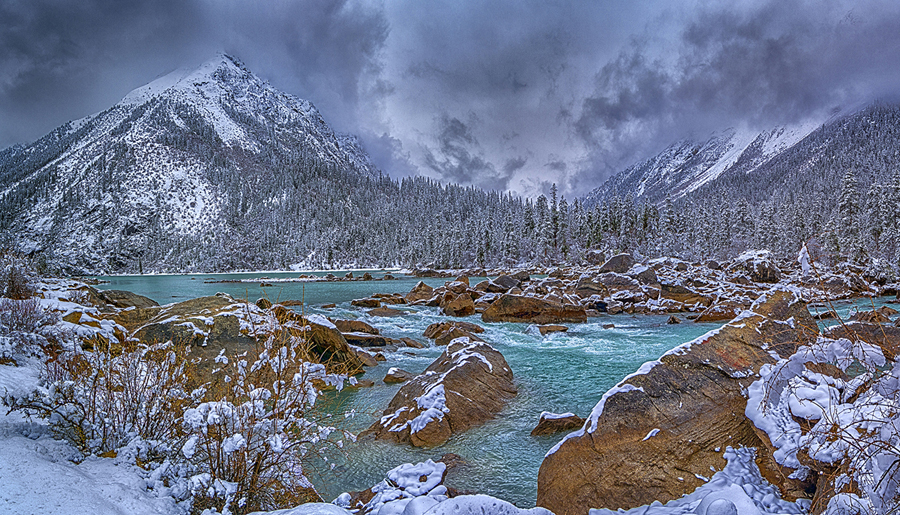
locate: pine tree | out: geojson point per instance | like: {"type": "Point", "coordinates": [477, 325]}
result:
{"type": "Point", "coordinates": [848, 212]}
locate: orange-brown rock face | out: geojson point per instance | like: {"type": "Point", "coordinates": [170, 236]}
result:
{"type": "Point", "coordinates": [516, 308]}
{"type": "Point", "coordinates": [648, 437]}
{"type": "Point", "coordinates": [466, 386]}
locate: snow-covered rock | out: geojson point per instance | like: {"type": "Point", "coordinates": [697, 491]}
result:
{"type": "Point", "coordinates": [659, 428]}
{"type": "Point", "coordinates": [466, 386]}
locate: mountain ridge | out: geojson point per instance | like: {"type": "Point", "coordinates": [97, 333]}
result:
{"type": "Point", "coordinates": [687, 165]}
{"type": "Point", "coordinates": [213, 169]}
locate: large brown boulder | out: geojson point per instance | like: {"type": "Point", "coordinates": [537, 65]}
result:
{"type": "Point", "coordinates": [460, 305]}
{"type": "Point", "coordinates": [587, 286]}
{"type": "Point", "coordinates": [445, 332]}
{"type": "Point", "coordinates": [681, 293]}
{"type": "Point", "coordinates": [758, 264]}
{"type": "Point", "coordinates": [505, 282]}
{"type": "Point", "coordinates": [620, 263]}
{"type": "Point", "coordinates": [466, 386]}
{"type": "Point", "coordinates": [126, 299]}
{"type": "Point", "coordinates": [435, 329]}
{"type": "Point", "coordinates": [419, 292]}
{"type": "Point", "coordinates": [209, 325]}
{"type": "Point", "coordinates": [517, 308]}
{"type": "Point", "coordinates": [648, 436]}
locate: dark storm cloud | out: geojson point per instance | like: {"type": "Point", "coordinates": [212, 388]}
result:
{"type": "Point", "coordinates": [565, 91]}
{"type": "Point", "coordinates": [514, 164]}
{"type": "Point", "coordinates": [64, 60]}
{"type": "Point", "coordinates": [54, 56]}
{"type": "Point", "coordinates": [458, 158]}
{"type": "Point", "coordinates": [762, 65]}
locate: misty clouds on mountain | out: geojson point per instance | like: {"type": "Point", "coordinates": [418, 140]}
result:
{"type": "Point", "coordinates": [503, 95]}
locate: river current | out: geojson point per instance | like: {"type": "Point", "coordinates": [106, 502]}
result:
{"type": "Point", "coordinates": [561, 372]}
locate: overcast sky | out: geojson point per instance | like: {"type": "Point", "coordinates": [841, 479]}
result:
{"type": "Point", "coordinates": [508, 95]}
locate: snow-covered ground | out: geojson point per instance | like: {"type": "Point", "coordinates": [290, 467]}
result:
{"type": "Point", "coordinates": [42, 476]}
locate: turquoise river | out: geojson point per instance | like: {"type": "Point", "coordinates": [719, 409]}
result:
{"type": "Point", "coordinates": [563, 372]}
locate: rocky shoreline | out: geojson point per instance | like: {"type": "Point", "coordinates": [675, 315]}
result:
{"type": "Point", "coordinates": [663, 429]}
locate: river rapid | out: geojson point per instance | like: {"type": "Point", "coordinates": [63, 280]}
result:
{"type": "Point", "coordinates": [561, 372]}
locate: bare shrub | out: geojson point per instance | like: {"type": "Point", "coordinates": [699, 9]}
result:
{"type": "Point", "coordinates": [237, 443]}
{"type": "Point", "coordinates": [25, 328]}
{"type": "Point", "coordinates": [251, 443]}
{"type": "Point", "coordinates": [99, 402]}
{"type": "Point", "coordinates": [16, 277]}
{"type": "Point", "coordinates": [832, 411]}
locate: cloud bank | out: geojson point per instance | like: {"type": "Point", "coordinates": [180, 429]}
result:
{"type": "Point", "coordinates": [504, 95]}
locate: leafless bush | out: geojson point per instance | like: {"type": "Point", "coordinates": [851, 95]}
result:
{"type": "Point", "coordinates": [15, 277]}
{"type": "Point", "coordinates": [251, 443]}
{"type": "Point", "coordinates": [25, 327]}
{"type": "Point", "coordinates": [239, 441]}
{"type": "Point", "coordinates": [99, 402]}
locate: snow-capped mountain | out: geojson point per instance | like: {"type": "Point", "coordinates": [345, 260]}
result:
{"type": "Point", "coordinates": [162, 160]}
{"type": "Point", "coordinates": [687, 165]}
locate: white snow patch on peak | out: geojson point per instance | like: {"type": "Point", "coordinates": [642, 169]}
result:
{"type": "Point", "coordinates": [184, 78]}
{"type": "Point", "coordinates": [738, 141]}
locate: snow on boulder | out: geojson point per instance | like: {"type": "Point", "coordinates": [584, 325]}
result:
{"type": "Point", "coordinates": [759, 265]}
{"type": "Point", "coordinates": [466, 386]}
{"type": "Point", "coordinates": [416, 490]}
{"type": "Point", "coordinates": [619, 264]}
{"type": "Point", "coordinates": [691, 397]}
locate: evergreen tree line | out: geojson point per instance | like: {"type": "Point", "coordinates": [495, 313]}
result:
{"type": "Point", "coordinates": [292, 205]}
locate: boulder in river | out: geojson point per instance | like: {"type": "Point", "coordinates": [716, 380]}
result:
{"type": "Point", "coordinates": [384, 312]}
{"type": "Point", "coordinates": [505, 282]}
{"type": "Point", "coordinates": [126, 299]}
{"type": "Point", "coordinates": [552, 423]}
{"type": "Point", "coordinates": [460, 305]}
{"type": "Point", "coordinates": [653, 435]}
{"type": "Point", "coordinates": [758, 264]}
{"type": "Point", "coordinates": [722, 311]}
{"type": "Point", "coordinates": [397, 375]}
{"type": "Point", "coordinates": [366, 303]}
{"type": "Point", "coordinates": [435, 329]}
{"type": "Point", "coordinates": [467, 385]}
{"type": "Point", "coordinates": [681, 293]}
{"type": "Point", "coordinates": [519, 308]}
{"type": "Point", "coordinates": [551, 328]}
{"type": "Point", "coordinates": [353, 326]}
{"type": "Point", "coordinates": [419, 292]}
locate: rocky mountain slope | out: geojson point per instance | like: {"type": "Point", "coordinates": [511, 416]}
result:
{"type": "Point", "coordinates": [214, 169]}
{"type": "Point", "coordinates": [158, 161]}
{"type": "Point", "coordinates": [688, 165]}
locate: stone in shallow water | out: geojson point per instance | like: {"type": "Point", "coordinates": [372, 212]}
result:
{"type": "Point", "coordinates": [551, 423]}
{"type": "Point", "coordinates": [467, 385]}
{"type": "Point", "coordinates": [385, 312]}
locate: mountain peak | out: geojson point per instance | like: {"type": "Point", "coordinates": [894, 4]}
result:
{"type": "Point", "coordinates": [217, 69]}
